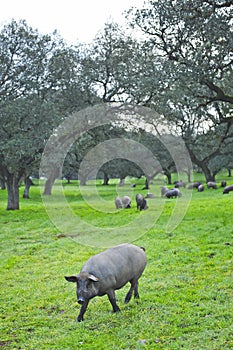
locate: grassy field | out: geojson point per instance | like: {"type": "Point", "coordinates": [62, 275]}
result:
{"type": "Point", "coordinates": [186, 290]}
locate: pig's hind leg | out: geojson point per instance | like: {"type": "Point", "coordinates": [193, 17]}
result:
{"type": "Point", "coordinates": [133, 288]}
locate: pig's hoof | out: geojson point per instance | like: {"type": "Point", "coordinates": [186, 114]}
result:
{"type": "Point", "coordinates": [127, 299]}
{"type": "Point", "coordinates": [117, 310]}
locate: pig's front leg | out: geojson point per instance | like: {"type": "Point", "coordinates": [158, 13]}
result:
{"type": "Point", "coordinates": [112, 299]}
{"type": "Point", "coordinates": [82, 311]}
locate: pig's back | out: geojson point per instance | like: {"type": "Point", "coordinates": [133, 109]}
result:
{"type": "Point", "coordinates": [117, 265]}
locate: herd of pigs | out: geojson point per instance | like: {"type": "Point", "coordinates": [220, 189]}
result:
{"type": "Point", "coordinates": [110, 270]}
{"type": "Point", "coordinates": [125, 201]}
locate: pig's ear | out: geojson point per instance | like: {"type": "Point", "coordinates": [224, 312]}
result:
{"type": "Point", "coordinates": [71, 278]}
{"type": "Point", "coordinates": [93, 278]}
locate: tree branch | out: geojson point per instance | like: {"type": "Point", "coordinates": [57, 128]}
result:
{"type": "Point", "coordinates": [220, 94]}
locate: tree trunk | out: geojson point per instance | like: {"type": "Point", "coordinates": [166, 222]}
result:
{"type": "Point", "coordinates": [50, 182]}
{"type": "Point", "coordinates": [202, 165]}
{"type": "Point", "coordinates": [122, 181]}
{"type": "Point", "coordinates": [147, 184]}
{"type": "Point", "coordinates": [2, 184]}
{"type": "Point", "coordinates": [229, 172]}
{"type": "Point", "coordinates": [106, 179]}
{"type": "Point", "coordinates": [207, 172]}
{"type": "Point", "coordinates": [28, 184]}
{"type": "Point", "coordinates": [13, 192]}
{"type": "Point", "coordinates": [49, 185]}
{"type": "Point", "coordinates": [188, 172]}
{"type": "Point", "coordinates": [169, 176]}
{"type": "Point", "coordinates": [82, 180]}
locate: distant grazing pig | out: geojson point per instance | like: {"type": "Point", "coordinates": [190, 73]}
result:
{"type": "Point", "coordinates": [118, 203]}
{"type": "Point", "coordinates": [174, 192]}
{"type": "Point", "coordinates": [211, 184]}
{"type": "Point", "coordinates": [150, 195]}
{"type": "Point", "coordinates": [194, 185]}
{"type": "Point", "coordinates": [223, 183]}
{"type": "Point", "coordinates": [163, 191]}
{"type": "Point", "coordinates": [179, 184]}
{"type": "Point", "coordinates": [200, 188]}
{"type": "Point", "coordinates": [228, 189]}
{"type": "Point", "coordinates": [141, 202]}
{"type": "Point", "coordinates": [126, 202]}
{"type": "Point", "coordinates": [108, 271]}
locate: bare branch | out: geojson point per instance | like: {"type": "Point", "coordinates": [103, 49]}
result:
{"type": "Point", "coordinates": [220, 95]}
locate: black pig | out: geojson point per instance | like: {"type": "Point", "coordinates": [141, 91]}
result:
{"type": "Point", "coordinates": [174, 192]}
{"type": "Point", "coordinates": [108, 271]}
{"type": "Point", "coordinates": [211, 184]}
{"type": "Point", "coordinates": [126, 202]}
{"type": "Point", "coordinates": [163, 191]}
{"type": "Point", "coordinates": [200, 188]}
{"type": "Point", "coordinates": [194, 185]}
{"type": "Point", "coordinates": [228, 189]}
{"type": "Point", "coordinates": [141, 202]}
{"type": "Point", "coordinates": [179, 184]}
{"type": "Point", "coordinates": [118, 203]}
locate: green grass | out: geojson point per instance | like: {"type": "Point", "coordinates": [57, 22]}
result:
{"type": "Point", "coordinates": [186, 290]}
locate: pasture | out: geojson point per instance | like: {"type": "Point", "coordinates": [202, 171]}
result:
{"type": "Point", "coordinates": [186, 294]}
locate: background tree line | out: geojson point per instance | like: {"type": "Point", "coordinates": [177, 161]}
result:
{"type": "Point", "coordinates": [181, 67]}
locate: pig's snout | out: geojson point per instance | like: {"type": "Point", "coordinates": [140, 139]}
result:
{"type": "Point", "coordinates": [81, 300]}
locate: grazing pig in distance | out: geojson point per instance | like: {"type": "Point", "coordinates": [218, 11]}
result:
{"type": "Point", "coordinates": [211, 184]}
{"type": "Point", "coordinates": [228, 189]}
{"type": "Point", "coordinates": [108, 271]}
{"type": "Point", "coordinates": [126, 202]}
{"type": "Point", "coordinates": [194, 185]}
{"type": "Point", "coordinates": [150, 195]}
{"type": "Point", "coordinates": [118, 203]}
{"type": "Point", "coordinates": [163, 191]}
{"type": "Point", "coordinates": [200, 188]}
{"type": "Point", "coordinates": [174, 192]}
{"type": "Point", "coordinates": [223, 183]}
{"type": "Point", "coordinates": [179, 184]}
{"type": "Point", "coordinates": [141, 202]}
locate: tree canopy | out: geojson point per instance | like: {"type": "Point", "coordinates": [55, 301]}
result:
{"type": "Point", "coordinates": [37, 71]}
{"type": "Point", "coordinates": [196, 38]}
{"type": "Point", "coordinates": [193, 41]}
{"type": "Point", "coordinates": [181, 67]}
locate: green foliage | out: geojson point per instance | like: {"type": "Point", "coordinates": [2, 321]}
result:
{"type": "Point", "coordinates": [186, 289]}
{"type": "Point", "coordinates": [38, 87]}
{"type": "Point", "coordinates": [119, 68]}
{"type": "Point", "coordinates": [196, 38]}
{"type": "Point", "coordinates": [191, 43]}
{"type": "Point", "coordinates": [182, 70]}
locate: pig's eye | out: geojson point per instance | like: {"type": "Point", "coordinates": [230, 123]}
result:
{"type": "Point", "coordinates": [89, 282]}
